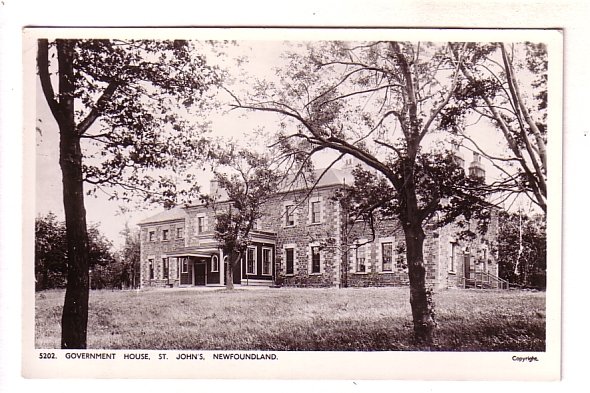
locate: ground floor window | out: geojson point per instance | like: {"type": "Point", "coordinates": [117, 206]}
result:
{"type": "Point", "coordinates": [361, 259]}
{"type": "Point", "coordinates": [267, 261]}
{"type": "Point", "coordinates": [251, 261]}
{"type": "Point", "coordinates": [165, 268]}
{"type": "Point", "coordinates": [290, 260]}
{"type": "Point", "coordinates": [214, 263]}
{"type": "Point", "coordinates": [315, 259]}
{"type": "Point", "coordinates": [151, 266]}
{"type": "Point", "coordinates": [387, 256]}
{"type": "Point", "coordinates": [184, 265]}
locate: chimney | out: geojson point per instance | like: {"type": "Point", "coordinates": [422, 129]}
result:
{"type": "Point", "coordinates": [476, 169]}
{"type": "Point", "coordinates": [214, 188]}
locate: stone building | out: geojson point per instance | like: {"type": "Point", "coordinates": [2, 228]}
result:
{"type": "Point", "coordinates": [305, 239]}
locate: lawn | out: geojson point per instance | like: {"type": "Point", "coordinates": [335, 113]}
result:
{"type": "Point", "coordinates": [298, 319]}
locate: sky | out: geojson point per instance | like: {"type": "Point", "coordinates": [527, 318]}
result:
{"type": "Point", "coordinates": [112, 216]}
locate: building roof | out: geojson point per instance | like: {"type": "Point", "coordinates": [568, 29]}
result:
{"type": "Point", "coordinates": [176, 213]}
{"type": "Point", "coordinates": [332, 176]}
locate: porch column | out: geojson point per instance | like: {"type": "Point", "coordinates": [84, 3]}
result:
{"type": "Point", "coordinates": [221, 267]}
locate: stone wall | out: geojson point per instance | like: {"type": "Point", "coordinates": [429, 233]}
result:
{"type": "Point", "coordinates": [156, 249]}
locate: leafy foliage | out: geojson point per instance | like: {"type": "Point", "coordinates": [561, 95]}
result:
{"type": "Point", "coordinates": [51, 258]}
{"type": "Point", "coordinates": [522, 249]}
{"type": "Point", "coordinates": [136, 103]}
{"type": "Point", "coordinates": [245, 181]}
{"type": "Point", "coordinates": [492, 88]}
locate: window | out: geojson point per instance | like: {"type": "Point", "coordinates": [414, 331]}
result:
{"type": "Point", "coordinates": [184, 265]}
{"type": "Point", "coordinates": [387, 256]}
{"type": "Point", "coordinates": [315, 212]}
{"type": "Point", "coordinates": [267, 261]}
{"type": "Point", "coordinates": [453, 260]}
{"type": "Point", "coordinates": [165, 268]}
{"type": "Point", "coordinates": [200, 224]}
{"type": "Point", "coordinates": [251, 260]}
{"type": "Point", "coordinates": [152, 236]}
{"type": "Point", "coordinates": [289, 261]}
{"type": "Point", "coordinates": [180, 233]}
{"type": "Point", "coordinates": [315, 259]}
{"type": "Point", "coordinates": [290, 215]}
{"type": "Point", "coordinates": [151, 265]}
{"type": "Point", "coordinates": [177, 268]}
{"type": "Point", "coordinates": [360, 259]}
{"type": "Point", "coordinates": [215, 263]}
{"type": "Point", "coordinates": [165, 234]}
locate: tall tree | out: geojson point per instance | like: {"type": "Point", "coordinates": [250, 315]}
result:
{"type": "Point", "coordinates": [507, 85]}
{"type": "Point", "coordinates": [522, 249]}
{"type": "Point", "coordinates": [51, 258]}
{"type": "Point", "coordinates": [378, 102]}
{"type": "Point", "coordinates": [117, 96]}
{"type": "Point", "coordinates": [245, 180]}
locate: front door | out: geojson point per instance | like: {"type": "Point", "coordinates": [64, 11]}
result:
{"type": "Point", "coordinates": [467, 265]}
{"type": "Point", "coordinates": [200, 272]}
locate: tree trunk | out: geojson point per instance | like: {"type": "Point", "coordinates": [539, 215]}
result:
{"type": "Point", "coordinates": [75, 310]}
{"type": "Point", "coordinates": [231, 263]}
{"type": "Point", "coordinates": [420, 296]}
{"type": "Point", "coordinates": [229, 276]}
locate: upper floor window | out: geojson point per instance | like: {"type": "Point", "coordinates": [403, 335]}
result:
{"type": "Point", "coordinates": [315, 212]}
{"type": "Point", "coordinates": [290, 215]}
{"type": "Point", "coordinates": [200, 224]}
{"type": "Point", "coordinates": [165, 233]}
{"type": "Point", "coordinates": [152, 236]}
{"type": "Point", "coordinates": [179, 233]}
{"type": "Point", "coordinates": [387, 256]}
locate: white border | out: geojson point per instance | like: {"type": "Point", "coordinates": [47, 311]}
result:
{"type": "Point", "coordinates": [502, 18]}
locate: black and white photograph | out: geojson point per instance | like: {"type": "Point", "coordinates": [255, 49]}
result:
{"type": "Point", "coordinates": [271, 198]}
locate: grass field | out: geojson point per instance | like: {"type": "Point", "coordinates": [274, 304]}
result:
{"type": "Point", "coordinates": [298, 319]}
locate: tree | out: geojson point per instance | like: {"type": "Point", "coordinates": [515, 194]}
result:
{"type": "Point", "coordinates": [116, 96]}
{"type": "Point", "coordinates": [522, 249]}
{"type": "Point", "coordinates": [248, 179]}
{"type": "Point", "coordinates": [130, 258]}
{"type": "Point", "coordinates": [492, 88]}
{"type": "Point", "coordinates": [379, 102]}
{"type": "Point", "coordinates": [51, 258]}
{"type": "Point", "coordinates": [50, 253]}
